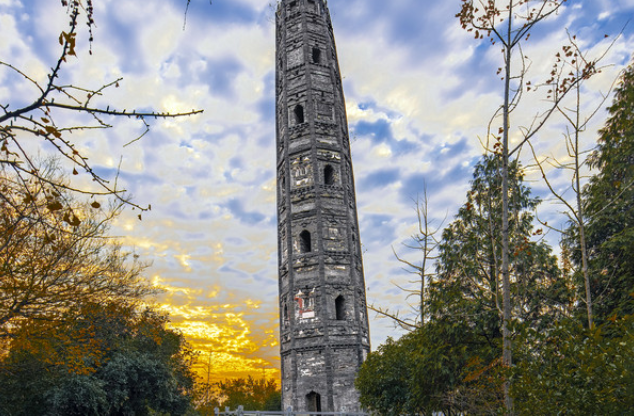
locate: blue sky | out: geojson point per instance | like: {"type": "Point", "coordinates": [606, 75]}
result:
{"type": "Point", "coordinates": [420, 92]}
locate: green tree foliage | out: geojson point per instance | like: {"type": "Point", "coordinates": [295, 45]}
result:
{"type": "Point", "coordinates": [465, 300]}
{"type": "Point", "coordinates": [414, 374]}
{"type": "Point", "coordinates": [385, 381]}
{"type": "Point", "coordinates": [468, 283]}
{"type": "Point", "coordinates": [109, 360]}
{"type": "Point", "coordinates": [452, 362]}
{"type": "Point", "coordinates": [572, 370]}
{"type": "Point", "coordinates": [250, 393]}
{"type": "Point", "coordinates": [609, 208]}
{"type": "Point", "coordinates": [274, 401]}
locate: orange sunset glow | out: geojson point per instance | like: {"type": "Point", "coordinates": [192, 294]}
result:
{"type": "Point", "coordinates": [232, 341]}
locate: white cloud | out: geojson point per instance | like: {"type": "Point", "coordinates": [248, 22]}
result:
{"type": "Point", "coordinates": [190, 169]}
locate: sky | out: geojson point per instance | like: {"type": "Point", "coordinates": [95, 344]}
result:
{"type": "Point", "coordinates": [420, 92]}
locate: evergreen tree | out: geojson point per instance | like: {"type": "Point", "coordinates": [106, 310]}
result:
{"type": "Point", "coordinates": [452, 362]}
{"type": "Point", "coordinates": [609, 208]}
{"type": "Point", "coordinates": [574, 370]}
{"type": "Point", "coordinates": [467, 293]}
{"type": "Point", "coordinates": [468, 287]}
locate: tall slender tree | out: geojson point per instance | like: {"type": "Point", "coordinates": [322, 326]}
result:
{"type": "Point", "coordinates": [424, 242]}
{"type": "Point", "coordinates": [467, 291]}
{"type": "Point", "coordinates": [509, 23]}
{"type": "Point", "coordinates": [573, 60]}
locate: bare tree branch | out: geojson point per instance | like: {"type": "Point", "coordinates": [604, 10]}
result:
{"type": "Point", "coordinates": [53, 102]}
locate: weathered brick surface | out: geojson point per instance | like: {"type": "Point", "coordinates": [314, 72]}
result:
{"type": "Point", "coordinates": [323, 317]}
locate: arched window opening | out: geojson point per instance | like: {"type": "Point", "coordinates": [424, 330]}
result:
{"type": "Point", "coordinates": [304, 242]}
{"type": "Point", "coordinates": [299, 114]}
{"type": "Point", "coordinates": [329, 175]}
{"type": "Point", "coordinates": [340, 308]}
{"type": "Point", "coordinates": [316, 55]}
{"type": "Point", "coordinates": [293, 4]}
{"type": "Point", "coordinates": [285, 314]}
{"type": "Point", "coordinates": [313, 402]}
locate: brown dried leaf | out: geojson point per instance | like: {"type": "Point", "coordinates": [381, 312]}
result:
{"type": "Point", "coordinates": [54, 206]}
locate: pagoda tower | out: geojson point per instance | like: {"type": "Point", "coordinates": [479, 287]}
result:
{"type": "Point", "coordinates": [324, 335]}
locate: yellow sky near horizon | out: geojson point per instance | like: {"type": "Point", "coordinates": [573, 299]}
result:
{"type": "Point", "coordinates": [230, 340]}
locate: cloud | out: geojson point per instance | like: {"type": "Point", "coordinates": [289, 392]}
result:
{"type": "Point", "coordinates": [420, 93]}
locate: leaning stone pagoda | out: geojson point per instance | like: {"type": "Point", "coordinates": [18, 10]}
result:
{"type": "Point", "coordinates": [324, 335]}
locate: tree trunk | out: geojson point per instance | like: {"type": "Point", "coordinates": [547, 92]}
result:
{"type": "Point", "coordinates": [580, 216]}
{"type": "Point", "coordinates": [506, 280]}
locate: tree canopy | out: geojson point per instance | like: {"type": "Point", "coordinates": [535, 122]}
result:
{"type": "Point", "coordinates": [51, 261]}
{"type": "Point", "coordinates": [250, 393]}
{"type": "Point", "coordinates": [572, 370]}
{"type": "Point", "coordinates": [108, 360]}
{"type": "Point", "coordinates": [451, 362]}
{"type": "Point", "coordinates": [468, 282]}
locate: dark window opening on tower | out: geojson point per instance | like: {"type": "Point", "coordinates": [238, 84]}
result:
{"type": "Point", "coordinates": [285, 314]}
{"type": "Point", "coordinates": [329, 175]}
{"type": "Point", "coordinates": [316, 55]}
{"type": "Point", "coordinates": [304, 242]}
{"type": "Point", "coordinates": [299, 114]}
{"type": "Point", "coordinates": [313, 402]}
{"type": "Point", "coordinates": [293, 4]}
{"type": "Point", "coordinates": [340, 308]}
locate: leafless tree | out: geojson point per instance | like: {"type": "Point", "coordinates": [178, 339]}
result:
{"type": "Point", "coordinates": [425, 241]}
{"type": "Point", "coordinates": [581, 67]}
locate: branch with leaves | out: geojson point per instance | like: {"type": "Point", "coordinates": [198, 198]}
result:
{"type": "Point", "coordinates": [41, 120]}
{"type": "Point", "coordinates": [55, 253]}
